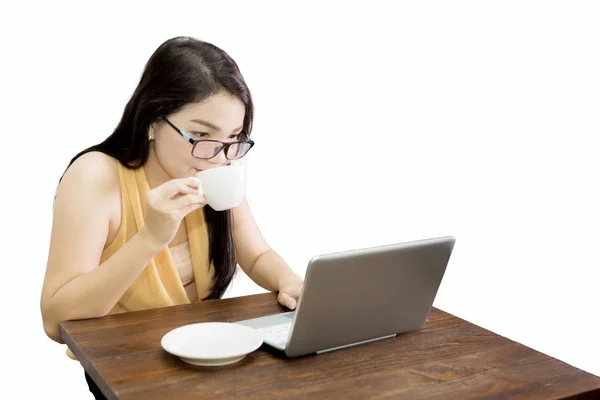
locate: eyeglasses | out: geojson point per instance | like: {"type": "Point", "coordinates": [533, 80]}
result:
{"type": "Point", "coordinates": [207, 149]}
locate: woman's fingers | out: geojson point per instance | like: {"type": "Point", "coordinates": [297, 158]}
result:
{"type": "Point", "coordinates": [286, 300]}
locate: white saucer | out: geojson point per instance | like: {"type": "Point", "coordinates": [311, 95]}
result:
{"type": "Point", "coordinates": [212, 343]}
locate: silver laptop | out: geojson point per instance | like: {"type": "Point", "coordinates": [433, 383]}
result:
{"type": "Point", "coordinates": [359, 296]}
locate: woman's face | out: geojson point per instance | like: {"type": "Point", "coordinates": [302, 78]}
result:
{"type": "Point", "coordinates": [220, 117]}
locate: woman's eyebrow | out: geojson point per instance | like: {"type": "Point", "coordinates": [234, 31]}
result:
{"type": "Point", "coordinates": [211, 126]}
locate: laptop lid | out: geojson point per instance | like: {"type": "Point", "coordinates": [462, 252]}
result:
{"type": "Point", "coordinates": [361, 295]}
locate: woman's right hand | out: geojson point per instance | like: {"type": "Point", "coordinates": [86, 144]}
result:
{"type": "Point", "coordinates": [168, 204]}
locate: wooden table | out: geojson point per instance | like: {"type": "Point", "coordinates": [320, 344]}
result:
{"type": "Point", "coordinates": [448, 358]}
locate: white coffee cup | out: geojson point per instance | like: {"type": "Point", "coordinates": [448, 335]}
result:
{"type": "Point", "coordinates": [224, 187]}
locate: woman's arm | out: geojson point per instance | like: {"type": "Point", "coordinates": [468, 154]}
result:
{"type": "Point", "coordinates": [75, 286]}
{"type": "Point", "coordinates": [259, 261]}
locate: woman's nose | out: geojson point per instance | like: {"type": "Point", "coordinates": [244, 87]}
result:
{"type": "Point", "coordinates": [219, 159]}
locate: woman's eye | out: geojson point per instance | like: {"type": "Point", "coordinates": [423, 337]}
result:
{"type": "Point", "coordinates": [200, 134]}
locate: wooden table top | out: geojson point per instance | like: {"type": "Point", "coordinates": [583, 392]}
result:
{"type": "Point", "coordinates": [448, 358]}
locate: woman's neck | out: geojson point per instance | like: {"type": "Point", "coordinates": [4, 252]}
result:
{"type": "Point", "coordinates": [155, 173]}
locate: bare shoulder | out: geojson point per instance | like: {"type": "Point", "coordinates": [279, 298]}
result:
{"type": "Point", "coordinates": [94, 170]}
{"type": "Point", "coordinates": [91, 182]}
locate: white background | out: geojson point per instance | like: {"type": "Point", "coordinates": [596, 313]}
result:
{"type": "Point", "coordinates": [373, 125]}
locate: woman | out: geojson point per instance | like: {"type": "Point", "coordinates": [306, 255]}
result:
{"type": "Point", "coordinates": [131, 228]}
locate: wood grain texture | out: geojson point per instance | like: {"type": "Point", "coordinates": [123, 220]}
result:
{"type": "Point", "coordinates": [448, 358]}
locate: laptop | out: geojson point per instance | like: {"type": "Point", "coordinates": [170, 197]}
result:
{"type": "Point", "coordinates": [359, 296]}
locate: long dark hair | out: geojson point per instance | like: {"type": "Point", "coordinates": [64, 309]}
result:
{"type": "Point", "coordinates": [182, 70]}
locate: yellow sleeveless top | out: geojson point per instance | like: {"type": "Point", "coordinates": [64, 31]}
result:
{"type": "Point", "coordinates": [159, 284]}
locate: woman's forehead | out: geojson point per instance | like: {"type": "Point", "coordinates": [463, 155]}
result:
{"type": "Point", "coordinates": [218, 109]}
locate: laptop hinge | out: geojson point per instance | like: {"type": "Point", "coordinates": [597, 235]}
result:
{"type": "Point", "coordinates": [355, 344]}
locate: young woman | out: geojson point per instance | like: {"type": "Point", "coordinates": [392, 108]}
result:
{"type": "Point", "coordinates": [131, 228]}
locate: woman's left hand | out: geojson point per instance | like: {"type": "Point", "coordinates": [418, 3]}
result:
{"type": "Point", "coordinates": [289, 291]}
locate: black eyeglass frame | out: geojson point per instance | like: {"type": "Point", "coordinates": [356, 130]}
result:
{"type": "Point", "coordinates": [224, 145]}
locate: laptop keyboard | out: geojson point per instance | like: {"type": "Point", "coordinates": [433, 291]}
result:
{"type": "Point", "coordinates": [276, 333]}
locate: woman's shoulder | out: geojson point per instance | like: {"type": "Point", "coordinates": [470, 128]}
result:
{"type": "Point", "coordinates": [93, 172]}
{"type": "Point", "coordinates": [95, 167]}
